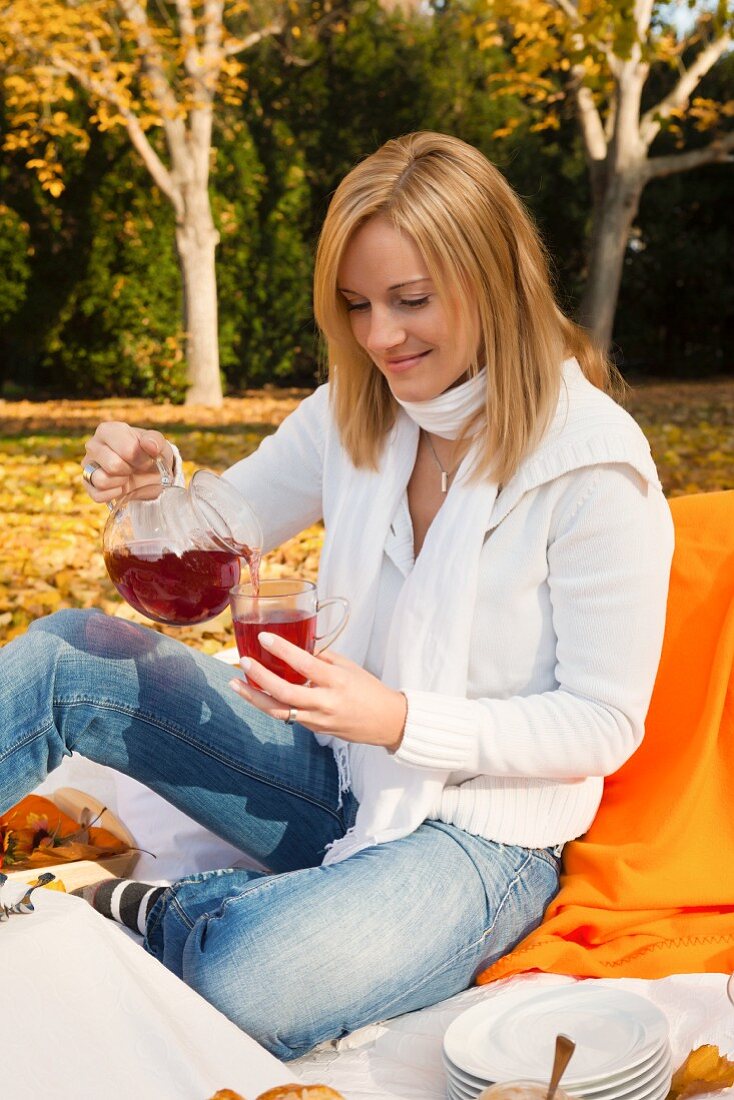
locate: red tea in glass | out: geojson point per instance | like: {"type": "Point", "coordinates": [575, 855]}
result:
{"type": "Point", "coordinates": [288, 608]}
{"type": "Point", "coordinates": [176, 589]}
{"type": "Point", "coordinates": [300, 630]}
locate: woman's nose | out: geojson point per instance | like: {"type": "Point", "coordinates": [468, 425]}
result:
{"type": "Point", "coordinates": [386, 330]}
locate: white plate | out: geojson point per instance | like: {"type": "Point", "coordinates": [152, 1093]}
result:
{"type": "Point", "coordinates": [656, 1090]}
{"type": "Point", "coordinates": [615, 1033]}
{"type": "Point", "coordinates": [457, 1092]}
{"type": "Point", "coordinates": [629, 1084]}
{"type": "Point", "coordinates": [628, 1087]}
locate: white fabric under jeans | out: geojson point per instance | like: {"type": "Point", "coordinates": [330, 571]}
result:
{"type": "Point", "coordinates": [306, 953]}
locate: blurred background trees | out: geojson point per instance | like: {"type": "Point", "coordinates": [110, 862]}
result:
{"type": "Point", "coordinates": [91, 286]}
{"type": "Point", "coordinates": [631, 74]}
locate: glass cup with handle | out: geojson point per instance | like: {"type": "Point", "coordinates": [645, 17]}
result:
{"type": "Point", "coordinates": [289, 607]}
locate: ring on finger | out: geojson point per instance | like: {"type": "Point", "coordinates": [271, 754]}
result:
{"type": "Point", "coordinates": [292, 715]}
{"type": "Point", "coordinates": [89, 470]}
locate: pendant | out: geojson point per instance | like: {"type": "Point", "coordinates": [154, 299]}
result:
{"type": "Point", "coordinates": [444, 482]}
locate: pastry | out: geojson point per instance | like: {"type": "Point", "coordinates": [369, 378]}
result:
{"type": "Point", "coordinates": [301, 1092]}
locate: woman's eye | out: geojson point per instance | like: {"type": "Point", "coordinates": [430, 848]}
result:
{"type": "Point", "coordinates": [415, 303]}
{"type": "Point", "coordinates": [353, 307]}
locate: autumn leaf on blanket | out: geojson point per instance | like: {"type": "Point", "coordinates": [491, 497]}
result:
{"type": "Point", "coordinates": [704, 1070]}
{"type": "Point", "coordinates": [35, 833]}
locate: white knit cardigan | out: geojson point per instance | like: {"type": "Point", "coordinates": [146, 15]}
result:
{"type": "Point", "coordinates": [568, 624]}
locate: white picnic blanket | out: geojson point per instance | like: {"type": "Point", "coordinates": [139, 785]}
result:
{"type": "Point", "coordinates": [92, 1015]}
{"type": "Point", "coordinates": [88, 1014]}
{"type": "Point", "coordinates": [401, 1059]}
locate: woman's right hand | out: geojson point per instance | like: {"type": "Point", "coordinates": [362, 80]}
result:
{"type": "Point", "coordinates": [126, 457]}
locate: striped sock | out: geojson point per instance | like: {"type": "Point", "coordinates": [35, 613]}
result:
{"type": "Point", "coordinates": [126, 901]}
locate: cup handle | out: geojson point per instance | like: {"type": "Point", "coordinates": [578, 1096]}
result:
{"type": "Point", "coordinates": [331, 635]}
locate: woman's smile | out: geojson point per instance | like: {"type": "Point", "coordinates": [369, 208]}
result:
{"type": "Point", "coordinates": [398, 364]}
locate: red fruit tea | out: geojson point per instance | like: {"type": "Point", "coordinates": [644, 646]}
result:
{"type": "Point", "coordinates": [298, 627]}
{"type": "Point", "coordinates": [177, 589]}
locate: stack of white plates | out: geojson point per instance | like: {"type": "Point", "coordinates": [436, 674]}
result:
{"type": "Point", "coordinates": [622, 1048]}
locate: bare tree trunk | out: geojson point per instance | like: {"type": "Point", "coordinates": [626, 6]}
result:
{"type": "Point", "coordinates": [196, 241]}
{"type": "Point", "coordinates": [612, 221]}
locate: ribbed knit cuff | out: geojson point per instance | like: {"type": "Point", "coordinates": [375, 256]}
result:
{"type": "Point", "coordinates": [440, 732]}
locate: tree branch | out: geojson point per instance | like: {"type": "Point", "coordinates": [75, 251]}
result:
{"type": "Point", "coordinates": [187, 34]}
{"type": "Point", "coordinates": [212, 51]}
{"type": "Point", "coordinates": [213, 26]}
{"type": "Point", "coordinates": [570, 11]}
{"type": "Point", "coordinates": [160, 174]}
{"type": "Point", "coordinates": [717, 152]}
{"type": "Point", "coordinates": [590, 123]}
{"type": "Point", "coordinates": [241, 44]}
{"type": "Point", "coordinates": [642, 16]}
{"type": "Point", "coordinates": [153, 63]}
{"type": "Point", "coordinates": [158, 171]}
{"type": "Point", "coordinates": [651, 121]}
{"type": "Point", "coordinates": [592, 129]}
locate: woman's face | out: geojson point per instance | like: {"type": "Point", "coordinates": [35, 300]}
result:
{"type": "Point", "coordinates": [396, 315]}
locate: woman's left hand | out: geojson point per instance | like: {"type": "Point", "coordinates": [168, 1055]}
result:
{"type": "Point", "coordinates": [341, 698]}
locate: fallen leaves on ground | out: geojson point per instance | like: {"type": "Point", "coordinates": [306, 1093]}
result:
{"type": "Point", "coordinates": [690, 428]}
{"type": "Point", "coordinates": [50, 550]}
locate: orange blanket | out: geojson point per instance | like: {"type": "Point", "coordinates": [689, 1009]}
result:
{"type": "Point", "coordinates": [649, 890]}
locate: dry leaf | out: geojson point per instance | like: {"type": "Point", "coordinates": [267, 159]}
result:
{"type": "Point", "coordinates": [35, 833]}
{"type": "Point", "coordinates": [704, 1070]}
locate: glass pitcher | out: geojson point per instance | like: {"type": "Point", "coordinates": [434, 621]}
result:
{"type": "Point", "coordinates": [173, 553]}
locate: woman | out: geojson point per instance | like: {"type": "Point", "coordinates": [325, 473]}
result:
{"type": "Point", "coordinates": [498, 526]}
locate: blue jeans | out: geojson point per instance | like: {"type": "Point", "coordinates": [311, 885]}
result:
{"type": "Point", "coordinates": [302, 954]}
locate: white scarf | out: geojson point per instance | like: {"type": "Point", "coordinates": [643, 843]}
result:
{"type": "Point", "coordinates": [428, 642]}
{"type": "Point", "coordinates": [447, 414]}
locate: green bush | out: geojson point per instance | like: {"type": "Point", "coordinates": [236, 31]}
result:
{"type": "Point", "coordinates": [15, 262]}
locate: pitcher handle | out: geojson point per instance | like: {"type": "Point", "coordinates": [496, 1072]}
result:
{"type": "Point", "coordinates": [331, 635]}
{"type": "Point", "coordinates": [166, 475]}
{"type": "Point", "coordinates": [166, 480]}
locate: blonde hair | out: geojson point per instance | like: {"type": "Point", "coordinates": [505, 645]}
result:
{"type": "Point", "coordinates": [483, 252]}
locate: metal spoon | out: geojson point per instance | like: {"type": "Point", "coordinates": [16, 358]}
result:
{"type": "Point", "coordinates": [564, 1049]}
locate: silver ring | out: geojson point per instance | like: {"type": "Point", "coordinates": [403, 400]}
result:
{"type": "Point", "coordinates": [292, 713]}
{"type": "Point", "coordinates": [89, 470]}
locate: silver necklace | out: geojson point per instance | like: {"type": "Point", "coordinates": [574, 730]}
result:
{"type": "Point", "coordinates": [446, 475]}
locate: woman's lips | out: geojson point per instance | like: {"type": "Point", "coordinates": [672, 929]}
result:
{"type": "Point", "coordinates": [405, 362]}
